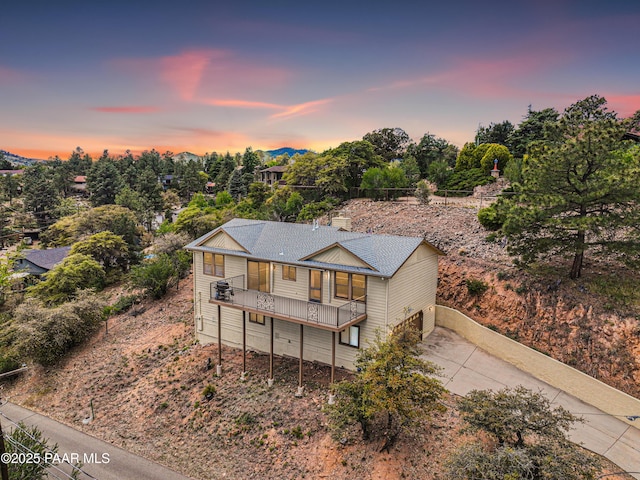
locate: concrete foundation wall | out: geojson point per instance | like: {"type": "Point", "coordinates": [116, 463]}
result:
{"type": "Point", "coordinates": [555, 373]}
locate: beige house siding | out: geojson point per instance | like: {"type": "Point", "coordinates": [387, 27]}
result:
{"type": "Point", "coordinates": [287, 288]}
{"type": "Point", "coordinates": [222, 240]}
{"type": "Point", "coordinates": [413, 288]}
{"type": "Point", "coordinates": [339, 256]}
{"type": "Point", "coordinates": [383, 295]}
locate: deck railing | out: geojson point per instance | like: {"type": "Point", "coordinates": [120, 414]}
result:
{"type": "Point", "coordinates": [284, 307]}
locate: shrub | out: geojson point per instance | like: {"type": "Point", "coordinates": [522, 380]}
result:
{"type": "Point", "coordinates": [423, 192]}
{"type": "Point", "coordinates": [8, 363]}
{"type": "Point", "coordinates": [77, 271]}
{"type": "Point", "coordinates": [490, 219]}
{"type": "Point", "coordinates": [47, 334]}
{"type": "Point", "coordinates": [209, 391]}
{"type": "Point", "coordinates": [476, 287]}
{"type": "Point", "coordinates": [466, 180]}
{"type": "Point", "coordinates": [314, 210]}
{"type": "Point", "coordinates": [123, 304]}
{"type": "Point", "coordinates": [29, 439]}
{"type": "Point", "coordinates": [153, 277]}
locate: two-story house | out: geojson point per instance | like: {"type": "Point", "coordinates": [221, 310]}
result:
{"type": "Point", "coordinates": [273, 175]}
{"type": "Point", "coordinates": [317, 293]}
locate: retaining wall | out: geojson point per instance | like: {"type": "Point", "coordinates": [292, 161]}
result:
{"type": "Point", "coordinates": [555, 373]}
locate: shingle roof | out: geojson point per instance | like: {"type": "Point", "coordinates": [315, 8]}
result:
{"type": "Point", "coordinates": [47, 259]}
{"type": "Point", "coordinates": [296, 244]}
{"type": "Point", "coordinates": [276, 168]}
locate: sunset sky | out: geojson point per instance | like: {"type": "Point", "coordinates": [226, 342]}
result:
{"type": "Point", "coordinates": [204, 76]}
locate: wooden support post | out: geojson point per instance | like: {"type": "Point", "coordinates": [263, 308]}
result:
{"type": "Point", "coordinates": [271, 354]}
{"type": "Point", "coordinates": [244, 344]}
{"type": "Point", "coordinates": [300, 366]}
{"type": "Point", "coordinates": [333, 357]}
{"type": "Point", "coordinates": [219, 366]}
{"type": "Point", "coordinates": [332, 396]}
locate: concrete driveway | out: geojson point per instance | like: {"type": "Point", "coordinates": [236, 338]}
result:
{"type": "Point", "coordinates": [466, 367]}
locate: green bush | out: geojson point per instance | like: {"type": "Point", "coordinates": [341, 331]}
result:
{"type": "Point", "coordinates": [47, 334]}
{"type": "Point", "coordinates": [8, 363]}
{"type": "Point", "coordinates": [209, 391]}
{"type": "Point", "coordinates": [77, 271]}
{"type": "Point", "coordinates": [314, 210]}
{"type": "Point", "coordinates": [466, 180]}
{"type": "Point", "coordinates": [123, 304]}
{"type": "Point", "coordinates": [476, 287]}
{"type": "Point", "coordinates": [153, 277]}
{"type": "Point", "coordinates": [490, 219]}
{"type": "Point", "coordinates": [423, 192]}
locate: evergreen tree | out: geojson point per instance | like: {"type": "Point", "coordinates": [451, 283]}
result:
{"type": "Point", "coordinates": [104, 182]}
{"type": "Point", "coordinates": [39, 193]}
{"type": "Point", "coordinates": [237, 188]}
{"type": "Point", "coordinates": [529, 439]}
{"type": "Point", "coordinates": [250, 162]}
{"type": "Point", "coordinates": [531, 130]}
{"type": "Point", "coordinates": [579, 190]}
{"type": "Point", "coordinates": [393, 389]}
{"type": "Point", "coordinates": [432, 149]}
{"type": "Point", "coordinates": [499, 133]}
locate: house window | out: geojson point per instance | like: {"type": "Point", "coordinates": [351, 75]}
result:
{"type": "Point", "coordinates": [289, 273]}
{"type": "Point", "coordinates": [258, 276]}
{"type": "Point", "coordinates": [214, 264]}
{"type": "Point", "coordinates": [315, 285]}
{"type": "Point", "coordinates": [350, 336]}
{"type": "Point", "coordinates": [256, 318]}
{"type": "Point", "coordinates": [350, 286]}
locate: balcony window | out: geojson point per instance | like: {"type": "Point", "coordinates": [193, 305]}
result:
{"type": "Point", "coordinates": [351, 336]}
{"type": "Point", "coordinates": [258, 276]}
{"type": "Point", "coordinates": [213, 264]}
{"type": "Point", "coordinates": [350, 286]}
{"type": "Point", "coordinates": [288, 273]}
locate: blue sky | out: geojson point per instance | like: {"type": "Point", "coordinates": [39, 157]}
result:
{"type": "Point", "coordinates": [206, 76]}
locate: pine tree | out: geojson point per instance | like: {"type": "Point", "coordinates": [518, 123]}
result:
{"type": "Point", "coordinates": [579, 190]}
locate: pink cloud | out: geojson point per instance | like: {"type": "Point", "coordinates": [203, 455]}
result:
{"type": "Point", "coordinates": [480, 77]}
{"type": "Point", "coordinates": [282, 111]}
{"type": "Point", "coordinates": [625, 105]}
{"type": "Point", "coordinates": [195, 74]}
{"type": "Point", "coordinates": [9, 75]}
{"type": "Point", "coordinates": [126, 109]}
{"type": "Point", "coordinates": [301, 108]}
{"type": "Point", "coordinates": [184, 72]}
{"type": "Point", "coordinates": [240, 103]}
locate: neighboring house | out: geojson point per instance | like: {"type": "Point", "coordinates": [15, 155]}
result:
{"type": "Point", "coordinates": [39, 262]}
{"type": "Point", "coordinates": [10, 173]}
{"type": "Point", "coordinates": [168, 181]}
{"type": "Point", "coordinates": [313, 292]}
{"type": "Point", "coordinates": [273, 175]}
{"type": "Point", "coordinates": [80, 184]}
{"type": "Point", "coordinates": [632, 136]}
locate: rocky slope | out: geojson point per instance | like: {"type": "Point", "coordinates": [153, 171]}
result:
{"type": "Point", "coordinates": [569, 320]}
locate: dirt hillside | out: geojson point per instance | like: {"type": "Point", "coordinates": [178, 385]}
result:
{"type": "Point", "coordinates": [546, 310]}
{"type": "Point", "coordinates": [146, 375]}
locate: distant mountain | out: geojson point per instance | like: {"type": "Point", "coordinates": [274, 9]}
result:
{"type": "Point", "coordinates": [18, 160]}
{"type": "Point", "coordinates": [186, 157]}
{"type": "Point", "coordinates": [288, 150]}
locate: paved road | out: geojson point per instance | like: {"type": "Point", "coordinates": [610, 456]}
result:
{"type": "Point", "coordinates": [121, 465]}
{"type": "Point", "coordinates": [467, 367]}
